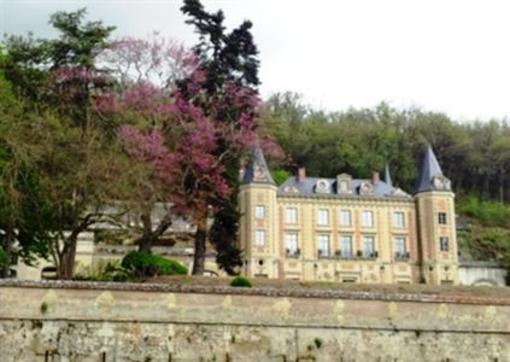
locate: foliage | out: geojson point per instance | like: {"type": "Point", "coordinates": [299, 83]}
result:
{"type": "Point", "coordinates": [57, 79]}
{"type": "Point", "coordinates": [280, 176]}
{"type": "Point", "coordinates": [143, 264]}
{"type": "Point", "coordinates": [486, 212]}
{"type": "Point", "coordinates": [103, 271]}
{"type": "Point", "coordinates": [475, 155]}
{"type": "Point", "coordinates": [240, 281]}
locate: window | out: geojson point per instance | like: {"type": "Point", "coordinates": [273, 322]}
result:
{"type": "Point", "coordinates": [346, 246]}
{"type": "Point", "coordinates": [400, 247]}
{"type": "Point", "coordinates": [442, 218]}
{"type": "Point", "coordinates": [323, 217]}
{"type": "Point", "coordinates": [323, 245]}
{"type": "Point", "coordinates": [291, 244]}
{"type": "Point", "coordinates": [398, 220]}
{"type": "Point", "coordinates": [260, 237]}
{"type": "Point", "coordinates": [443, 243]}
{"type": "Point", "coordinates": [367, 218]}
{"type": "Point", "coordinates": [344, 186]}
{"type": "Point", "coordinates": [368, 246]}
{"type": "Point", "coordinates": [345, 218]}
{"type": "Point", "coordinates": [291, 215]}
{"type": "Point", "coordinates": [260, 212]}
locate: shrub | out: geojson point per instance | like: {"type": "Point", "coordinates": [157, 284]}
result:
{"type": "Point", "coordinates": [240, 282]}
{"type": "Point", "coordinates": [103, 271]}
{"type": "Point", "coordinates": [144, 264]}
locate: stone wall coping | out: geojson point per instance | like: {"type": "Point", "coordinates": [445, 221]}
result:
{"type": "Point", "coordinates": [322, 293]}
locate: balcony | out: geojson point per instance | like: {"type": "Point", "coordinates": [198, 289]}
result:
{"type": "Point", "coordinates": [346, 256]}
{"type": "Point", "coordinates": [292, 253]}
{"type": "Point", "coordinates": [367, 255]}
{"type": "Point", "coordinates": [402, 256]}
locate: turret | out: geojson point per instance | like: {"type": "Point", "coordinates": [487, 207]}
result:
{"type": "Point", "coordinates": [435, 203]}
{"type": "Point", "coordinates": [258, 222]}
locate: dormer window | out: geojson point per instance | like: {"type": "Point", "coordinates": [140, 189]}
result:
{"type": "Point", "coordinates": [366, 188]}
{"type": "Point", "coordinates": [322, 186]}
{"type": "Point", "coordinates": [343, 184]}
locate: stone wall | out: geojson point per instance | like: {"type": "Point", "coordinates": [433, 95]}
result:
{"type": "Point", "coordinates": [56, 321]}
{"type": "Point", "coordinates": [482, 273]}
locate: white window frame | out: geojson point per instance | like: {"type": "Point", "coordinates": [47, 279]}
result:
{"type": "Point", "coordinates": [291, 244]}
{"type": "Point", "coordinates": [367, 218]}
{"type": "Point", "coordinates": [291, 215]}
{"type": "Point", "coordinates": [440, 218]}
{"type": "Point", "coordinates": [399, 219]}
{"type": "Point", "coordinates": [368, 252]}
{"type": "Point", "coordinates": [260, 212]}
{"type": "Point", "coordinates": [345, 217]}
{"type": "Point", "coordinates": [323, 217]}
{"type": "Point", "coordinates": [346, 252]}
{"type": "Point", "coordinates": [260, 237]}
{"type": "Point", "coordinates": [324, 245]}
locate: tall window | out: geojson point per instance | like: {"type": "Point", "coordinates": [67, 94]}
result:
{"type": "Point", "coordinates": [367, 219]}
{"type": "Point", "coordinates": [345, 218]}
{"type": "Point", "coordinates": [291, 244]}
{"type": "Point", "coordinates": [400, 247]}
{"type": "Point", "coordinates": [346, 246]}
{"type": "Point", "coordinates": [368, 246]}
{"type": "Point", "coordinates": [442, 218]}
{"type": "Point", "coordinates": [291, 215]}
{"type": "Point", "coordinates": [260, 212]}
{"type": "Point", "coordinates": [260, 237]}
{"type": "Point", "coordinates": [323, 241]}
{"type": "Point", "coordinates": [323, 218]}
{"type": "Point", "coordinates": [398, 219]}
{"type": "Point", "coordinates": [443, 243]}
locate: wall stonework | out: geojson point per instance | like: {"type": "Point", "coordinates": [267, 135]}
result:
{"type": "Point", "coordinates": [78, 322]}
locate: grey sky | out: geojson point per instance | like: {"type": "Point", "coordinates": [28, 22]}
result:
{"type": "Point", "coordinates": [450, 56]}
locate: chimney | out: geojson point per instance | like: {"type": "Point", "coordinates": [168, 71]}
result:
{"type": "Point", "coordinates": [301, 175]}
{"type": "Point", "coordinates": [375, 177]}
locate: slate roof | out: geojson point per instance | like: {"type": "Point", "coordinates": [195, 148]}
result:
{"type": "Point", "coordinates": [257, 161]}
{"type": "Point", "coordinates": [429, 168]}
{"type": "Point", "coordinates": [307, 188]}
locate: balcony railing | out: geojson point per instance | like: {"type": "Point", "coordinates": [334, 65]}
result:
{"type": "Point", "coordinates": [292, 253]}
{"type": "Point", "coordinates": [402, 255]}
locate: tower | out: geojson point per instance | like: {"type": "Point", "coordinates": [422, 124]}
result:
{"type": "Point", "coordinates": [435, 207]}
{"type": "Point", "coordinates": [258, 222]}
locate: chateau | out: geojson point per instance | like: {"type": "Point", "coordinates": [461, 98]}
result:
{"type": "Point", "coordinates": [348, 230]}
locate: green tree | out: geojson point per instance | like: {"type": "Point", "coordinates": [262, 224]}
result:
{"type": "Point", "coordinates": [229, 61]}
{"type": "Point", "coordinates": [58, 79]}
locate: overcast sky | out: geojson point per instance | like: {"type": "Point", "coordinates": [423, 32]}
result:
{"type": "Point", "coordinates": [451, 56]}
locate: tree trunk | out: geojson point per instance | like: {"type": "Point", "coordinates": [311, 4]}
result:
{"type": "Point", "coordinates": [200, 239]}
{"type": "Point", "coordinates": [7, 247]}
{"type": "Point", "coordinates": [149, 236]}
{"type": "Point", "coordinates": [145, 243]}
{"type": "Point", "coordinates": [66, 259]}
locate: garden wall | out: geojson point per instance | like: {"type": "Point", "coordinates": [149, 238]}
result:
{"type": "Point", "coordinates": [59, 321]}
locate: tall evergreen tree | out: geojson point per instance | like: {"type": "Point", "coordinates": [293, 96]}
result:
{"type": "Point", "coordinates": [227, 58]}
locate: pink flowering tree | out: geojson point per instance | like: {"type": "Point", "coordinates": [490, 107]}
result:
{"type": "Point", "coordinates": [193, 129]}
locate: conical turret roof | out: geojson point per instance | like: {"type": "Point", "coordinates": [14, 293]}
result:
{"type": "Point", "coordinates": [429, 169]}
{"type": "Point", "coordinates": [257, 170]}
{"type": "Point", "coordinates": [387, 176]}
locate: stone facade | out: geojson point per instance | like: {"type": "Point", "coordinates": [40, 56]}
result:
{"type": "Point", "coordinates": [348, 230]}
{"type": "Point", "coordinates": [90, 322]}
